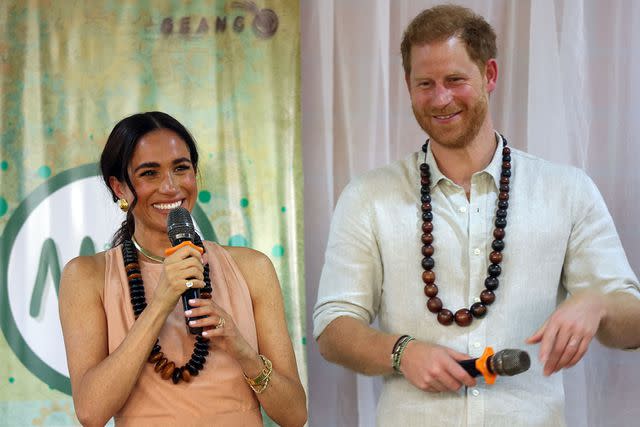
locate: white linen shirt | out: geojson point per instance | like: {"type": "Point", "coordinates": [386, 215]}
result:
{"type": "Point", "coordinates": [559, 238]}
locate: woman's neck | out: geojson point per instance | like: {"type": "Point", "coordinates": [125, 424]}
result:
{"type": "Point", "coordinates": [151, 242]}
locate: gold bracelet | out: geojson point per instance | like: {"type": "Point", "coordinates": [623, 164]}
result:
{"type": "Point", "coordinates": [260, 383]}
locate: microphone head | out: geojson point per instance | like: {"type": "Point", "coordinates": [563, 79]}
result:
{"type": "Point", "coordinates": [510, 362]}
{"type": "Point", "coordinates": [180, 226]}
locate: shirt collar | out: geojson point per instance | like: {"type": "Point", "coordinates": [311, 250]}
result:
{"type": "Point", "coordinates": [494, 168]}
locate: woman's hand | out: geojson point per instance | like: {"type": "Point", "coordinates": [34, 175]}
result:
{"type": "Point", "coordinates": [180, 269]}
{"type": "Point", "coordinates": [219, 326]}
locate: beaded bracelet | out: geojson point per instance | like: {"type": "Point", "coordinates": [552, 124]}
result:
{"type": "Point", "coordinates": [260, 383]}
{"type": "Point", "coordinates": [398, 349]}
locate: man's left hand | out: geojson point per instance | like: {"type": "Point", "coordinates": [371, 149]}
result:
{"type": "Point", "coordinates": [567, 333]}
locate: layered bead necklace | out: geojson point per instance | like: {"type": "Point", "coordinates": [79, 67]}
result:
{"type": "Point", "coordinates": [464, 316]}
{"type": "Point", "coordinates": [165, 368]}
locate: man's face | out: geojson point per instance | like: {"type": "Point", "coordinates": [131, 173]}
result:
{"type": "Point", "coordinates": [449, 94]}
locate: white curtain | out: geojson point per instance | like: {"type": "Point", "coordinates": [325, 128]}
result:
{"type": "Point", "coordinates": [569, 81]}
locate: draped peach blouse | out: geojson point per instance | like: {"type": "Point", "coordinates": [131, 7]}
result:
{"type": "Point", "coordinates": [218, 396]}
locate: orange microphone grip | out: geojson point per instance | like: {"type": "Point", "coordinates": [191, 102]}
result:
{"type": "Point", "coordinates": [173, 249]}
{"type": "Point", "coordinates": [482, 365]}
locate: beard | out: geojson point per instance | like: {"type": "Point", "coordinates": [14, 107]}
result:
{"type": "Point", "coordinates": [460, 134]}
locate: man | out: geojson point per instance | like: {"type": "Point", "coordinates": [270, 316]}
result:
{"type": "Point", "coordinates": [494, 235]}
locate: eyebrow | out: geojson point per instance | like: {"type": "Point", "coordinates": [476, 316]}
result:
{"type": "Point", "coordinates": [157, 165]}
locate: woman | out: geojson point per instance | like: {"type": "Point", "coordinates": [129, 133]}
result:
{"type": "Point", "coordinates": [128, 350]}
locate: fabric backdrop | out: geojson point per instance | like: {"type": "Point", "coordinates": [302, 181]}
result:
{"type": "Point", "coordinates": [69, 70]}
{"type": "Point", "coordinates": [567, 91]}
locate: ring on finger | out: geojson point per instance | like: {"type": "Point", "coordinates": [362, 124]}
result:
{"type": "Point", "coordinates": [220, 324]}
{"type": "Point", "coordinates": [573, 342]}
{"type": "Point", "coordinates": [188, 283]}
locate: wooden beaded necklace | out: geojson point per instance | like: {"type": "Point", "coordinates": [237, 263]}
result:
{"type": "Point", "coordinates": [165, 368]}
{"type": "Point", "coordinates": [463, 317]}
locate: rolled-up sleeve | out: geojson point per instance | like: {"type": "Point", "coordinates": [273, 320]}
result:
{"type": "Point", "coordinates": [595, 257]}
{"type": "Point", "coordinates": [351, 280]}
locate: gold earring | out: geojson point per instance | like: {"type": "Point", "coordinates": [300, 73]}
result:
{"type": "Point", "coordinates": [123, 205]}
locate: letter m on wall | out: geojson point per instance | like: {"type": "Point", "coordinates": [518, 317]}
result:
{"type": "Point", "coordinates": [50, 263]}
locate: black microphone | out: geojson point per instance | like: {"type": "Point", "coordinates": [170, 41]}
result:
{"type": "Point", "coordinates": [507, 362]}
{"type": "Point", "coordinates": [180, 229]}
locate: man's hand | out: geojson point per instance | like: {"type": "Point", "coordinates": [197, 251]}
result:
{"type": "Point", "coordinates": [434, 368]}
{"type": "Point", "coordinates": [566, 334]}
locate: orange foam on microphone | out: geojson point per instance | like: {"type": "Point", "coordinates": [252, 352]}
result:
{"type": "Point", "coordinates": [482, 366]}
{"type": "Point", "coordinates": [173, 249]}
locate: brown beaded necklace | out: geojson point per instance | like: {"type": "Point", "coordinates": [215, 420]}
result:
{"type": "Point", "coordinates": [164, 367]}
{"type": "Point", "coordinates": [463, 317]}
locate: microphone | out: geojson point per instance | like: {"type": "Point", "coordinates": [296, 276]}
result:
{"type": "Point", "coordinates": [507, 362]}
{"type": "Point", "coordinates": [182, 233]}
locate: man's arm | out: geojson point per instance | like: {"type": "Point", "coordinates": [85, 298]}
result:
{"type": "Point", "coordinates": [349, 296]}
{"type": "Point", "coordinates": [351, 343]}
{"type": "Point", "coordinates": [620, 327]}
{"type": "Point", "coordinates": [605, 293]}
{"type": "Point", "coordinates": [565, 336]}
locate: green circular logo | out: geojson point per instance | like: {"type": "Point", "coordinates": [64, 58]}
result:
{"type": "Point", "coordinates": [70, 214]}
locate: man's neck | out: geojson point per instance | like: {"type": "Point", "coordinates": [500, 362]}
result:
{"type": "Point", "coordinates": [459, 164]}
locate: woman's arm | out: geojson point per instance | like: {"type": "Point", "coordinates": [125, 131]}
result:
{"type": "Point", "coordinates": [284, 399]}
{"type": "Point", "coordinates": [101, 382]}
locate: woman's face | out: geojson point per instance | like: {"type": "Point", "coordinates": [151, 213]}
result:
{"type": "Point", "coordinates": [164, 178]}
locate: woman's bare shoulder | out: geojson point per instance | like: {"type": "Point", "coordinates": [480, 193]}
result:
{"type": "Point", "coordinates": [257, 270]}
{"type": "Point", "coordinates": [249, 258]}
{"type": "Point", "coordinates": [86, 264]}
{"type": "Point", "coordinates": [84, 269]}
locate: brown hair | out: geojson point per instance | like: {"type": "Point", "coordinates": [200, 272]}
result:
{"type": "Point", "coordinates": [445, 21]}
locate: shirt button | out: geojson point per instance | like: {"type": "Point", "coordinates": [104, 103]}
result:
{"type": "Point", "coordinates": [475, 392]}
{"type": "Point", "coordinates": [462, 209]}
{"type": "Point", "coordinates": [477, 251]}
{"type": "Point", "coordinates": [477, 345]}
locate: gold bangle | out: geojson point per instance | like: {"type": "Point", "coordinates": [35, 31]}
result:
{"type": "Point", "coordinates": [260, 383]}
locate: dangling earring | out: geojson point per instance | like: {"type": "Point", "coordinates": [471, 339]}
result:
{"type": "Point", "coordinates": [123, 205]}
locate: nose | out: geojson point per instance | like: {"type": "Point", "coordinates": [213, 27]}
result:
{"type": "Point", "coordinates": [442, 96]}
{"type": "Point", "coordinates": [168, 184]}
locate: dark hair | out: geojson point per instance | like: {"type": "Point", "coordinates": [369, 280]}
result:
{"type": "Point", "coordinates": [119, 149]}
{"type": "Point", "coordinates": [445, 21]}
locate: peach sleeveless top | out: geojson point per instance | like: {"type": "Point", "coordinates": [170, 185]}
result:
{"type": "Point", "coordinates": [218, 396]}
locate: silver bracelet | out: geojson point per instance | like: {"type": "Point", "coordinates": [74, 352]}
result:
{"type": "Point", "coordinates": [398, 349]}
